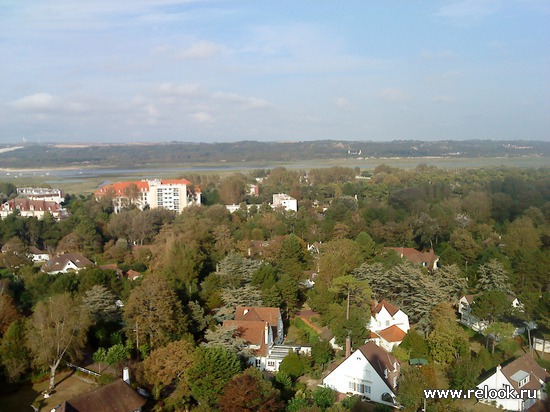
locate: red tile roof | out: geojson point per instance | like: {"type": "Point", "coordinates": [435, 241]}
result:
{"type": "Point", "coordinates": [176, 182]}
{"type": "Point", "coordinates": [118, 188]}
{"type": "Point", "coordinates": [25, 204]}
{"type": "Point", "coordinates": [392, 334]}
{"type": "Point", "coordinates": [253, 332]}
{"type": "Point", "coordinates": [392, 309]}
{"type": "Point", "coordinates": [257, 313]}
{"type": "Point", "coordinates": [415, 256]}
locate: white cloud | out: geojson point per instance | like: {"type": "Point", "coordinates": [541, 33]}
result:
{"type": "Point", "coordinates": [342, 102]}
{"type": "Point", "coordinates": [203, 117]}
{"type": "Point", "coordinates": [170, 89]}
{"type": "Point", "coordinates": [244, 101]}
{"type": "Point", "coordinates": [200, 50]}
{"type": "Point", "coordinates": [392, 94]}
{"type": "Point", "coordinates": [37, 101]}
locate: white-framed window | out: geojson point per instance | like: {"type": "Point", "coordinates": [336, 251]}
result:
{"type": "Point", "coordinates": [524, 381]}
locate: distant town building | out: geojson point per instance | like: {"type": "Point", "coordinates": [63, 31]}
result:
{"type": "Point", "coordinates": [428, 260]}
{"type": "Point", "coordinates": [175, 194]}
{"type": "Point", "coordinates": [32, 208]}
{"type": "Point", "coordinates": [282, 200]}
{"type": "Point", "coordinates": [68, 262]}
{"type": "Point", "coordinates": [41, 193]}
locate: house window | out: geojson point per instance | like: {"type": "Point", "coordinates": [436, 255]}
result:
{"type": "Point", "coordinates": [270, 363]}
{"type": "Point", "coordinates": [351, 386]}
{"type": "Point", "coordinates": [524, 381]}
{"type": "Point", "coordinates": [258, 363]}
{"type": "Point", "coordinates": [387, 323]}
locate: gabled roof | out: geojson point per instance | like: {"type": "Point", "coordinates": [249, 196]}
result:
{"type": "Point", "coordinates": [59, 262]}
{"type": "Point", "coordinates": [392, 309]}
{"type": "Point", "coordinates": [24, 204]}
{"type": "Point", "coordinates": [114, 397]}
{"type": "Point", "coordinates": [119, 188]}
{"type": "Point", "coordinates": [35, 251]}
{"type": "Point", "coordinates": [132, 274]}
{"type": "Point", "coordinates": [175, 182]}
{"type": "Point", "coordinates": [257, 313]}
{"type": "Point", "coordinates": [392, 334]}
{"type": "Point", "coordinates": [253, 332]}
{"type": "Point", "coordinates": [523, 367]}
{"type": "Point", "coordinates": [415, 256]}
{"type": "Point", "coordinates": [469, 298]}
{"type": "Point", "coordinates": [380, 359]}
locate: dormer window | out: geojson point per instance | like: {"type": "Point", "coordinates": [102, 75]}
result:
{"type": "Point", "coordinates": [521, 377]}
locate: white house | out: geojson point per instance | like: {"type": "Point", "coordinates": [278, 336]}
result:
{"type": "Point", "coordinates": [468, 319]}
{"type": "Point", "coordinates": [370, 371]}
{"type": "Point", "coordinates": [384, 314]}
{"type": "Point", "coordinates": [38, 255]}
{"type": "Point", "coordinates": [388, 338]}
{"type": "Point", "coordinates": [66, 263]}
{"type": "Point", "coordinates": [522, 377]}
{"type": "Point", "coordinates": [261, 328]}
{"type": "Point", "coordinates": [281, 200]}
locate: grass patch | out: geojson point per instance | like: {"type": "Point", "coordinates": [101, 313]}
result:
{"type": "Point", "coordinates": [300, 333]}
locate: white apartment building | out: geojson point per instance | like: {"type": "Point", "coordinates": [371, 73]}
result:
{"type": "Point", "coordinates": [175, 194]}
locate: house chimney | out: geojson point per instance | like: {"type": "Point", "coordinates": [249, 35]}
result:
{"type": "Point", "coordinates": [348, 347]}
{"type": "Point", "coordinates": [126, 375]}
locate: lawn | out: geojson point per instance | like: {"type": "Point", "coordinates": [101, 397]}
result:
{"type": "Point", "coordinates": [68, 386]}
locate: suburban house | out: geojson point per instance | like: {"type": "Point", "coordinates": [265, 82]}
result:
{"type": "Point", "coordinates": [388, 338]}
{"type": "Point", "coordinates": [385, 314]}
{"type": "Point", "coordinates": [175, 194]}
{"type": "Point", "coordinates": [32, 208]}
{"type": "Point", "coordinates": [38, 255]}
{"type": "Point", "coordinates": [370, 372]}
{"type": "Point", "coordinates": [64, 263]}
{"type": "Point", "coordinates": [114, 397]}
{"type": "Point", "coordinates": [284, 201]}
{"type": "Point", "coordinates": [428, 260]}
{"type": "Point", "coordinates": [468, 319]}
{"type": "Point", "coordinates": [388, 325]}
{"type": "Point", "coordinates": [523, 374]}
{"type": "Point", "coordinates": [262, 330]}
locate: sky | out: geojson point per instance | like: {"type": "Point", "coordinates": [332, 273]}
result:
{"type": "Point", "coordinates": [288, 70]}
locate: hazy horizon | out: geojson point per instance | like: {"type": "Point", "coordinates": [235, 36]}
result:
{"type": "Point", "coordinates": [218, 71]}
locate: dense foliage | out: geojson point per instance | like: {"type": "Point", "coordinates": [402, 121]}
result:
{"type": "Point", "coordinates": [490, 228]}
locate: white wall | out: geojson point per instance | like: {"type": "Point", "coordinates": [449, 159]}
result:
{"type": "Point", "coordinates": [357, 369]}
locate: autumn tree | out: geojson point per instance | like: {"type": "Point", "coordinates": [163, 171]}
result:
{"type": "Point", "coordinates": [57, 329]}
{"type": "Point", "coordinates": [8, 313]}
{"type": "Point", "coordinates": [14, 254]}
{"type": "Point", "coordinates": [250, 391]}
{"type": "Point", "coordinates": [168, 364]}
{"type": "Point", "coordinates": [153, 313]}
{"type": "Point", "coordinates": [232, 189]}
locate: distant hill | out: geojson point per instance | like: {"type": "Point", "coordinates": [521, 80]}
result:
{"type": "Point", "coordinates": [131, 155]}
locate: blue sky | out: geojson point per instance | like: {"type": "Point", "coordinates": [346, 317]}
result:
{"type": "Point", "coordinates": [214, 71]}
